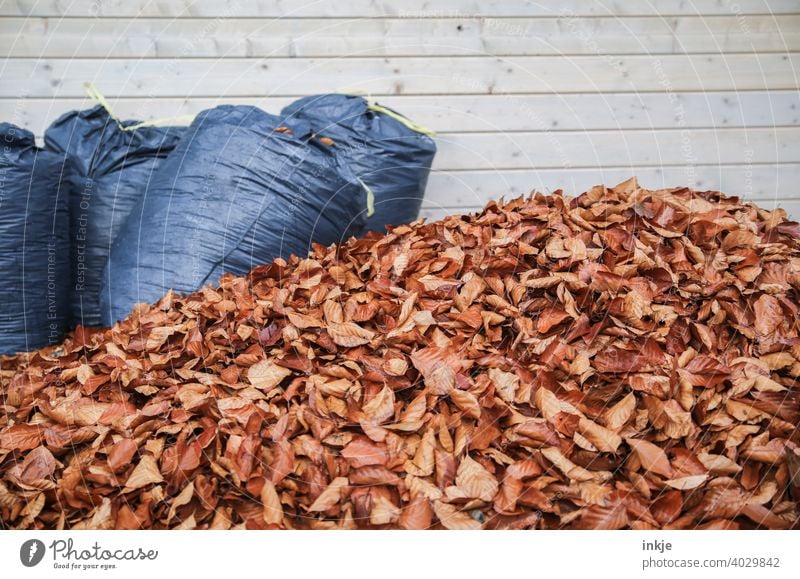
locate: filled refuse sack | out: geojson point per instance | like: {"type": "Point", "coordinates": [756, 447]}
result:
{"type": "Point", "coordinates": [34, 244]}
{"type": "Point", "coordinates": [389, 153]}
{"type": "Point", "coordinates": [110, 163]}
{"type": "Point", "coordinates": [238, 191]}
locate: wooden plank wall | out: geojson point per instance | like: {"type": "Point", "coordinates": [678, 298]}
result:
{"type": "Point", "coordinates": [524, 95]}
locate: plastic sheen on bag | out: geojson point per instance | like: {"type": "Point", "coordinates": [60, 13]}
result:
{"type": "Point", "coordinates": [238, 191]}
{"type": "Point", "coordinates": [34, 245]}
{"type": "Point", "coordinates": [110, 163]}
{"type": "Point", "coordinates": [391, 154]}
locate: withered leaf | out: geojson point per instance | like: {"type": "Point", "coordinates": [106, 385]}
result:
{"type": "Point", "coordinates": [21, 437]}
{"type": "Point", "coordinates": [604, 439]}
{"type": "Point", "coordinates": [145, 473]}
{"type": "Point", "coordinates": [618, 415]}
{"type": "Point", "coordinates": [623, 359]}
{"type": "Point", "coordinates": [265, 375]}
{"type": "Point", "coordinates": [381, 408]}
{"type": "Point", "coordinates": [364, 452]}
{"type": "Point", "coordinates": [652, 457]}
{"type": "Point", "coordinates": [687, 482]}
{"type": "Point", "coordinates": [417, 514]}
{"type": "Point", "coordinates": [331, 495]}
{"type": "Point", "coordinates": [599, 517]}
{"type": "Point", "coordinates": [273, 510]}
{"type": "Point", "coordinates": [505, 383]}
{"type": "Point", "coordinates": [121, 453]}
{"type": "Point", "coordinates": [183, 498]}
{"type": "Point", "coordinates": [475, 481]}
{"type": "Point", "coordinates": [453, 519]}
{"type": "Point", "coordinates": [39, 464]}
{"type": "Point", "coordinates": [768, 314]}
{"type": "Point", "coordinates": [349, 334]}
{"type": "Point", "coordinates": [467, 402]}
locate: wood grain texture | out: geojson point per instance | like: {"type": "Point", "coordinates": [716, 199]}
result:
{"type": "Point", "coordinates": [383, 8]}
{"type": "Point", "coordinates": [764, 183]}
{"type": "Point", "coordinates": [342, 37]}
{"type": "Point", "coordinates": [412, 76]}
{"type": "Point", "coordinates": [486, 113]}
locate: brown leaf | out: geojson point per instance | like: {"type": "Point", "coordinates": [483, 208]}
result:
{"type": "Point", "coordinates": [273, 510]}
{"type": "Point", "coordinates": [363, 452]}
{"type": "Point", "coordinates": [416, 515]}
{"type": "Point", "coordinates": [145, 473]}
{"type": "Point", "coordinates": [157, 337]}
{"type": "Point", "coordinates": [550, 318]}
{"type": "Point", "coordinates": [266, 375]}
{"type": "Point", "coordinates": [331, 495]}
{"type": "Point", "coordinates": [384, 511]}
{"type": "Point", "coordinates": [303, 321]}
{"type": "Point", "coordinates": [475, 481]}
{"type": "Point", "coordinates": [687, 482]}
{"type": "Point", "coordinates": [604, 439]}
{"type": "Point", "coordinates": [39, 464]}
{"type": "Point", "coordinates": [597, 517]}
{"type": "Point", "coordinates": [423, 462]}
{"type": "Point", "coordinates": [381, 408]}
{"type": "Point", "coordinates": [569, 468]}
{"type": "Point", "coordinates": [768, 314]}
{"type": "Point", "coordinates": [466, 402]}
{"type": "Point", "coordinates": [505, 383]}
{"type": "Point", "coordinates": [349, 334]}
{"type": "Point", "coordinates": [21, 437]}
{"type": "Point", "coordinates": [652, 458]}
{"type": "Point", "coordinates": [453, 519]}
{"type": "Point", "coordinates": [438, 367]}
{"type": "Point", "coordinates": [667, 507]}
{"type": "Point", "coordinates": [121, 454]}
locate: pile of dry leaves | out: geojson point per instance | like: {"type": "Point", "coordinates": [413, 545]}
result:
{"type": "Point", "coordinates": [625, 359]}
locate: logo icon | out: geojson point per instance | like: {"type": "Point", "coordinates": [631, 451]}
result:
{"type": "Point", "coordinates": [31, 553]}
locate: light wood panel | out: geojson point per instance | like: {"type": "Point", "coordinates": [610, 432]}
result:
{"type": "Point", "coordinates": [485, 113]}
{"type": "Point", "coordinates": [225, 78]}
{"type": "Point", "coordinates": [341, 37]}
{"type": "Point", "coordinates": [383, 8]}
{"type": "Point", "coordinates": [763, 183]}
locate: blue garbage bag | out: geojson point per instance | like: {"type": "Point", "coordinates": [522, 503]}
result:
{"type": "Point", "coordinates": [238, 191]}
{"type": "Point", "coordinates": [389, 153]}
{"type": "Point", "coordinates": [109, 167]}
{"type": "Point", "coordinates": [34, 244]}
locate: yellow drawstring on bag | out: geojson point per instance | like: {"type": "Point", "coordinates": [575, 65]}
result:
{"type": "Point", "coordinates": [405, 121]}
{"type": "Point", "coordinates": [98, 97]}
{"type": "Point", "coordinates": [370, 198]}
